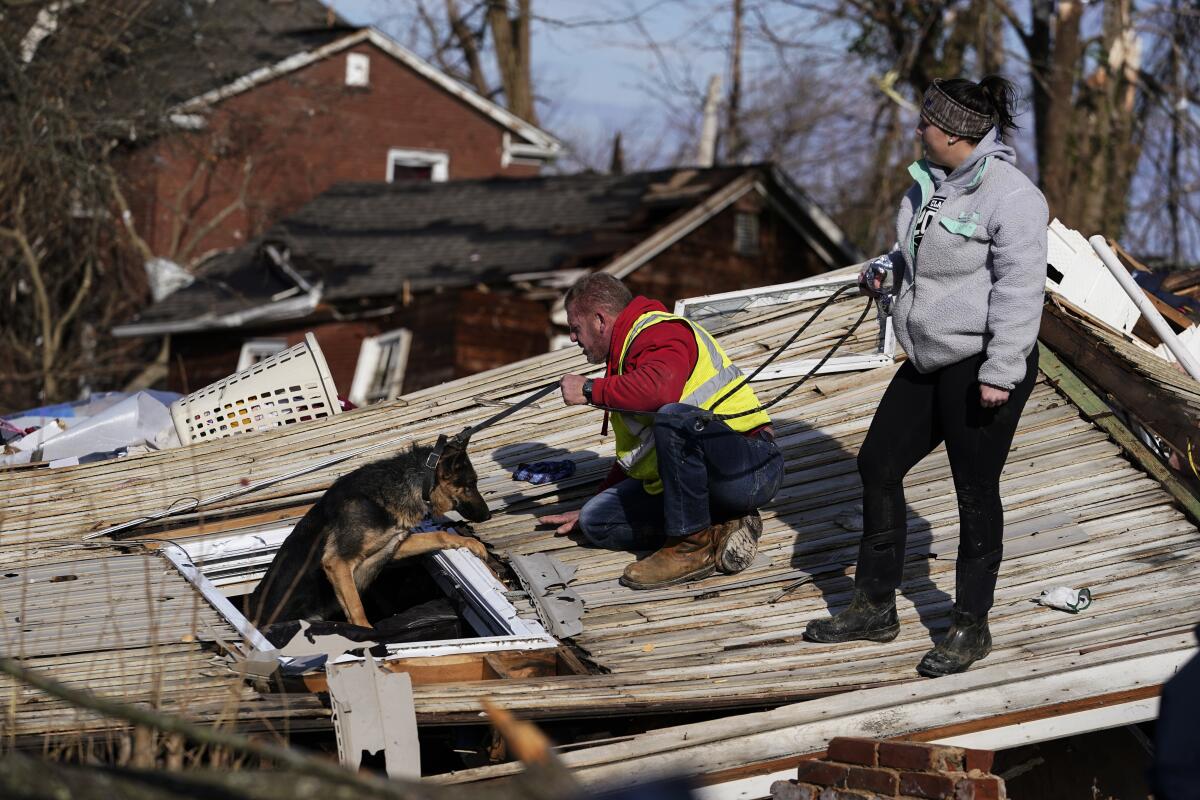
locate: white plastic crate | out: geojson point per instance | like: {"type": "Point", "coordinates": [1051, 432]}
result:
{"type": "Point", "coordinates": [292, 386]}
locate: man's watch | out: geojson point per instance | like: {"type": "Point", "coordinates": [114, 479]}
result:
{"type": "Point", "coordinates": [587, 390]}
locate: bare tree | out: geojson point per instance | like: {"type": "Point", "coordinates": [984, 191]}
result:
{"type": "Point", "coordinates": [82, 98]}
{"type": "Point", "coordinates": [63, 262]}
{"type": "Point", "coordinates": [1093, 98]}
{"type": "Point", "coordinates": [734, 145]}
{"type": "Point", "coordinates": [456, 38]}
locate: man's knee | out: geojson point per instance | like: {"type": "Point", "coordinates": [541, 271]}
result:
{"type": "Point", "coordinates": [590, 518]}
{"type": "Point", "coordinates": [596, 522]}
{"type": "Point", "coordinates": [679, 409]}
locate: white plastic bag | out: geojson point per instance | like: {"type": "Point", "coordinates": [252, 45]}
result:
{"type": "Point", "coordinates": [1066, 599]}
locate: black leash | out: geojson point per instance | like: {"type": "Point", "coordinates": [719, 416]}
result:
{"type": "Point", "coordinates": [461, 438]}
{"type": "Point", "coordinates": [707, 416]}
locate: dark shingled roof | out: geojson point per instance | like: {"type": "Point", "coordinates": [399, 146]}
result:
{"type": "Point", "coordinates": [173, 50]}
{"type": "Point", "coordinates": [367, 239]}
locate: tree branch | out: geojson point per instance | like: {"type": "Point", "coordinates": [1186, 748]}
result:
{"type": "Point", "coordinates": [127, 215]}
{"type": "Point", "coordinates": [41, 297]}
{"type": "Point", "coordinates": [290, 757]}
{"type": "Point", "coordinates": [237, 204]}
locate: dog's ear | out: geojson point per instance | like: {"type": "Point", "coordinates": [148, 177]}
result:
{"type": "Point", "coordinates": [456, 446]}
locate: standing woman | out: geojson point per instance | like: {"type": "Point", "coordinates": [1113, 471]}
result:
{"type": "Point", "coordinates": [969, 272]}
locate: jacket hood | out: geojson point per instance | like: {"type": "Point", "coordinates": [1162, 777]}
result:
{"type": "Point", "coordinates": [638, 306]}
{"type": "Point", "coordinates": [990, 146]}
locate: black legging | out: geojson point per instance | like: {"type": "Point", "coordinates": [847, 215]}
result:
{"type": "Point", "coordinates": [917, 413]}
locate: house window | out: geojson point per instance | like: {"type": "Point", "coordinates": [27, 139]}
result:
{"type": "Point", "coordinates": [381, 363]}
{"type": "Point", "coordinates": [745, 234]}
{"type": "Point", "coordinates": [417, 165]}
{"type": "Point", "coordinates": [255, 350]}
{"type": "Point", "coordinates": [358, 69]}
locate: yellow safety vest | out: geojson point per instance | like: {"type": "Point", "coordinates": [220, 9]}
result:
{"type": "Point", "coordinates": [712, 376]}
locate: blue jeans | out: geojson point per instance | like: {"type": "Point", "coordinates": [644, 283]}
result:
{"type": "Point", "coordinates": [712, 474]}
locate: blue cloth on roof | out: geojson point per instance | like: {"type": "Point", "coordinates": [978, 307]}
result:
{"type": "Point", "coordinates": [544, 471]}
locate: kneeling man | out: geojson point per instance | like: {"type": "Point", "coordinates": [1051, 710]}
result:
{"type": "Point", "coordinates": [684, 485]}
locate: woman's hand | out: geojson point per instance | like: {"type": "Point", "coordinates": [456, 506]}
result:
{"type": "Point", "coordinates": [991, 397]}
{"type": "Point", "coordinates": [870, 282]}
{"type": "Point", "coordinates": [567, 523]}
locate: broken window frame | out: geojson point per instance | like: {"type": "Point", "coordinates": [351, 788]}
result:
{"type": "Point", "coordinates": [256, 350]}
{"type": "Point", "coordinates": [706, 307]}
{"type": "Point", "coordinates": [363, 389]}
{"type": "Point", "coordinates": [457, 571]}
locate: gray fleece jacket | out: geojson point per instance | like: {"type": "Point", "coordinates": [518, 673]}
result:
{"type": "Point", "coordinates": [975, 283]}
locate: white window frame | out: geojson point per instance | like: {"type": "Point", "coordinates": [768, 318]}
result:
{"type": "Point", "coordinates": [752, 245]}
{"type": "Point", "coordinates": [358, 69]}
{"type": "Point", "coordinates": [369, 354]}
{"type": "Point", "coordinates": [232, 565]}
{"type": "Point", "coordinates": [255, 350]}
{"type": "Point", "coordinates": [709, 306]}
{"type": "Point", "coordinates": [438, 160]}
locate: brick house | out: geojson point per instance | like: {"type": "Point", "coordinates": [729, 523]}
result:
{"type": "Point", "coordinates": [409, 285]}
{"type": "Point", "coordinates": [293, 102]}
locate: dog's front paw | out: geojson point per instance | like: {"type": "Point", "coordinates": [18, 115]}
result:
{"type": "Point", "coordinates": [476, 547]}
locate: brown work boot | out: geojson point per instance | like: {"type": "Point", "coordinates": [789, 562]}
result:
{"type": "Point", "coordinates": [681, 559]}
{"type": "Point", "coordinates": [736, 542]}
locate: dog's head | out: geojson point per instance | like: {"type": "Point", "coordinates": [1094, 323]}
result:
{"type": "Point", "coordinates": [454, 485]}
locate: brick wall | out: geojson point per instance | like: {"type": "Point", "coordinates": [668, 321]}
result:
{"type": "Point", "coordinates": [292, 138]}
{"type": "Point", "coordinates": [495, 329]}
{"type": "Point", "coordinates": [455, 333]}
{"type": "Point", "coordinates": [868, 769]}
{"type": "Point", "coordinates": [705, 261]}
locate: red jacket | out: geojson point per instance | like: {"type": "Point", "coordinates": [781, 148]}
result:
{"type": "Point", "coordinates": [657, 367]}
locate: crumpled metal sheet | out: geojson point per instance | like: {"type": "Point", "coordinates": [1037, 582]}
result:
{"type": "Point", "coordinates": [373, 710]}
{"type": "Point", "coordinates": [546, 579]}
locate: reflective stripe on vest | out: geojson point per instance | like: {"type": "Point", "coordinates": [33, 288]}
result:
{"type": "Point", "coordinates": [641, 427]}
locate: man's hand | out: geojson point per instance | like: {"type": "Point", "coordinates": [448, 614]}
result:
{"type": "Point", "coordinates": [567, 523]}
{"type": "Point", "coordinates": [572, 390]}
{"type": "Point", "coordinates": [991, 397]}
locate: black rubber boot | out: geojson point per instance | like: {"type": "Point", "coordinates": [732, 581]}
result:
{"type": "Point", "coordinates": [967, 641]}
{"type": "Point", "coordinates": [880, 562]}
{"type": "Point", "coordinates": [872, 621]}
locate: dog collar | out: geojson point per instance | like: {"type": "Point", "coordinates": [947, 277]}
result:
{"type": "Point", "coordinates": [435, 456]}
{"type": "Point", "coordinates": [463, 437]}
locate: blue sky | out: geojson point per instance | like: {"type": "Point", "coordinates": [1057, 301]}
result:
{"type": "Point", "coordinates": [594, 69]}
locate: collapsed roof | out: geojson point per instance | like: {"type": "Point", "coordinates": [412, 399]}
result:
{"type": "Point", "coordinates": [377, 240]}
{"type": "Point", "coordinates": [1079, 511]}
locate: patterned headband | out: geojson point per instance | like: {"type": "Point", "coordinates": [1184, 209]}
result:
{"type": "Point", "coordinates": [952, 116]}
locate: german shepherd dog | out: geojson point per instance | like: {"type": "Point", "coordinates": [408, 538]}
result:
{"type": "Point", "coordinates": [363, 521]}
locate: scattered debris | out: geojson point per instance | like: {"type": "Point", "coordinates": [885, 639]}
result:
{"type": "Point", "coordinates": [117, 425]}
{"type": "Point", "coordinates": [372, 711]}
{"type": "Point", "coordinates": [1065, 598]}
{"type": "Point", "coordinates": [546, 579]}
